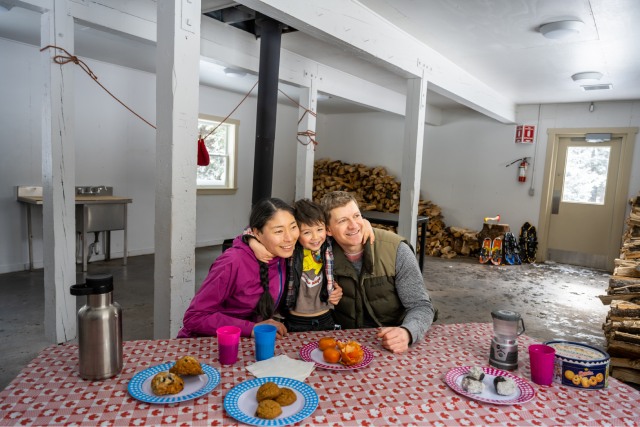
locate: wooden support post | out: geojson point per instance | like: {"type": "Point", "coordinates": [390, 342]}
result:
{"type": "Point", "coordinates": [177, 92]}
{"type": "Point", "coordinates": [58, 177]}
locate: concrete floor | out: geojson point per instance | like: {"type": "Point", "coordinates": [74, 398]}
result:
{"type": "Point", "coordinates": [555, 301]}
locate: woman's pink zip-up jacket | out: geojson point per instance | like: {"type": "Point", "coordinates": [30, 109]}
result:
{"type": "Point", "coordinates": [229, 294]}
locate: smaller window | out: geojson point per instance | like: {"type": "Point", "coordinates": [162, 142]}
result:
{"type": "Point", "coordinates": [585, 176]}
{"type": "Point", "coordinates": [219, 177]}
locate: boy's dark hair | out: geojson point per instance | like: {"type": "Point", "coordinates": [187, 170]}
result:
{"type": "Point", "coordinates": [308, 212]}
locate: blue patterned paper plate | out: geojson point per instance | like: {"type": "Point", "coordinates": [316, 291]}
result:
{"type": "Point", "coordinates": [194, 386]}
{"type": "Point", "coordinates": [241, 404]}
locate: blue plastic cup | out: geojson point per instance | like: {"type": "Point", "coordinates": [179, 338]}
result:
{"type": "Point", "coordinates": [265, 340]}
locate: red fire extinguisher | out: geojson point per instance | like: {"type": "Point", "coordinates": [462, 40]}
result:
{"type": "Point", "coordinates": [522, 170]}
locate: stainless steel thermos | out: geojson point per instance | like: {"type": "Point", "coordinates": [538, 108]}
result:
{"type": "Point", "coordinates": [99, 329]}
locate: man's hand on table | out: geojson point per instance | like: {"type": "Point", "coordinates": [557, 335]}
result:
{"type": "Point", "coordinates": [394, 339]}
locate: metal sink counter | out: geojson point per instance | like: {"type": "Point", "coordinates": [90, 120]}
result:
{"type": "Point", "coordinates": [97, 210]}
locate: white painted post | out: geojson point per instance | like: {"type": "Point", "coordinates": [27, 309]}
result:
{"type": "Point", "coordinates": [305, 153]}
{"type": "Point", "coordinates": [412, 158]}
{"type": "Point", "coordinates": [58, 176]}
{"type": "Point", "coordinates": [177, 93]}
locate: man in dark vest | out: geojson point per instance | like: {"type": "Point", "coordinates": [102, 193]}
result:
{"type": "Point", "coordinates": [381, 283]}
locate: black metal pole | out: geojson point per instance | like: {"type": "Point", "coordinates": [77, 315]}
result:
{"type": "Point", "coordinates": [270, 38]}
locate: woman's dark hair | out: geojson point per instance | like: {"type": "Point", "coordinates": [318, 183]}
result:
{"type": "Point", "coordinates": [261, 213]}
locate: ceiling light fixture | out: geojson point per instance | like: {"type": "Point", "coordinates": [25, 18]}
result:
{"type": "Point", "coordinates": [561, 29]}
{"type": "Point", "coordinates": [601, 86]}
{"type": "Point", "coordinates": [586, 75]}
{"type": "Point", "coordinates": [232, 72]}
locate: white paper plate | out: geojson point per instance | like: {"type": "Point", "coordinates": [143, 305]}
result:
{"type": "Point", "coordinates": [194, 385]}
{"type": "Point", "coordinates": [524, 390]}
{"type": "Point", "coordinates": [311, 353]}
{"type": "Point", "coordinates": [241, 404]}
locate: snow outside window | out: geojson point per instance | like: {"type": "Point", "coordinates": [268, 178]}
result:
{"type": "Point", "coordinates": [220, 175]}
{"type": "Point", "coordinates": [585, 175]}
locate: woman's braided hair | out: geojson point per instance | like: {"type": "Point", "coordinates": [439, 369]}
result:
{"type": "Point", "coordinates": [261, 213]}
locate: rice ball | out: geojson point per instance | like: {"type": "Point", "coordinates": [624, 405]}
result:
{"type": "Point", "coordinates": [472, 385]}
{"type": "Point", "coordinates": [504, 386]}
{"type": "Point", "coordinates": [476, 373]}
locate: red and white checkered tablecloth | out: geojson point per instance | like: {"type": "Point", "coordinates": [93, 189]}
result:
{"type": "Point", "coordinates": [404, 389]}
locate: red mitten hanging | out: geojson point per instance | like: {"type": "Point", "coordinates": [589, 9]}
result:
{"type": "Point", "coordinates": [203, 154]}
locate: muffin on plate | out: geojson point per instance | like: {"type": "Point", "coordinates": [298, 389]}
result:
{"type": "Point", "coordinates": [187, 365]}
{"type": "Point", "coordinates": [166, 383]}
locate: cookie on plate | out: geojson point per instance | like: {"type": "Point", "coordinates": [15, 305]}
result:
{"type": "Point", "coordinates": [166, 383]}
{"type": "Point", "coordinates": [286, 397]}
{"type": "Point", "coordinates": [268, 390]}
{"type": "Point", "coordinates": [187, 365]}
{"type": "Point", "coordinates": [268, 409]}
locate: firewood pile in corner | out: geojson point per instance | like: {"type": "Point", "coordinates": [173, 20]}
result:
{"type": "Point", "coordinates": [622, 327]}
{"type": "Point", "coordinates": [376, 190]}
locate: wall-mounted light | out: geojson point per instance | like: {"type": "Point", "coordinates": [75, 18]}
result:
{"type": "Point", "coordinates": [561, 29]}
{"type": "Point", "coordinates": [597, 137]}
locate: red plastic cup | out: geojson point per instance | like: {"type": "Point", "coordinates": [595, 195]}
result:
{"type": "Point", "coordinates": [542, 359]}
{"type": "Point", "coordinates": [228, 343]}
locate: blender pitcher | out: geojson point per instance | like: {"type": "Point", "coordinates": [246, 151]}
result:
{"type": "Point", "coordinates": [504, 345]}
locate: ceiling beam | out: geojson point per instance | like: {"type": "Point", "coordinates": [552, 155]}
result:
{"type": "Point", "coordinates": [239, 49]}
{"type": "Point", "coordinates": [207, 6]}
{"type": "Point", "coordinates": [230, 46]}
{"type": "Point", "coordinates": [353, 27]}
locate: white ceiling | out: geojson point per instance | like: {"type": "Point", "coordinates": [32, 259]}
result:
{"type": "Point", "coordinates": [497, 41]}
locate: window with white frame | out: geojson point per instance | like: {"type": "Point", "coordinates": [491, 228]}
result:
{"type": "Point", "coordinates": [220, 175]}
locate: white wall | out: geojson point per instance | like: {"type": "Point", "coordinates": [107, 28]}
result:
{"type": "Point", "coordinates": [463, 163]}
{"type": "Point", "coordinates": [464, 160]}
{"type": "Point", "coordinates": [115, 148]}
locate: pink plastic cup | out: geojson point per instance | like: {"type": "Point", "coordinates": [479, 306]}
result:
{"type": "Point", "coordinates": [228, 343]}
{"type": "Point", "coordinates": [542, 360]}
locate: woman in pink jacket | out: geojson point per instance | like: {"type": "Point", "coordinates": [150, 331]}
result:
{"type": "Point", "coordinates": [240, 290]}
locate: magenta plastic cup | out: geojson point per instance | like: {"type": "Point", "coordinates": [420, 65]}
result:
{"type": "Point", "coordinates": [542, 359]}
{"type": "Point", "coordinates": [265, 340]}
{"type": "Point", "coordinates": [228, 343]}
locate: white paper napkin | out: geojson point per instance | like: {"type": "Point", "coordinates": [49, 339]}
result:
{"type": "Point", "coordinates": [282, 366]}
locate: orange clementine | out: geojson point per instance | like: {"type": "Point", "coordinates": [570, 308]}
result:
{"type": "Point", "coordinates": [326, 342]}
{"type": "Point", "coordinates": [331, 355]}
{"type": "Point", "coordinates": [351, 353]}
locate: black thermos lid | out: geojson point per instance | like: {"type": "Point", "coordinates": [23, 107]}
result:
{"type": "Point", "coordinates": [95, 284]}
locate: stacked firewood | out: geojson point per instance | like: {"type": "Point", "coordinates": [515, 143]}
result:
{"type": "Point", "coordinates": [622, 327]}
{"type": "Point", "coordinates": [377, 190]}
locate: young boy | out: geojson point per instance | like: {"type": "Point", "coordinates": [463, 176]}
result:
{"type": "Point", "coordinates": [311, 291]}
